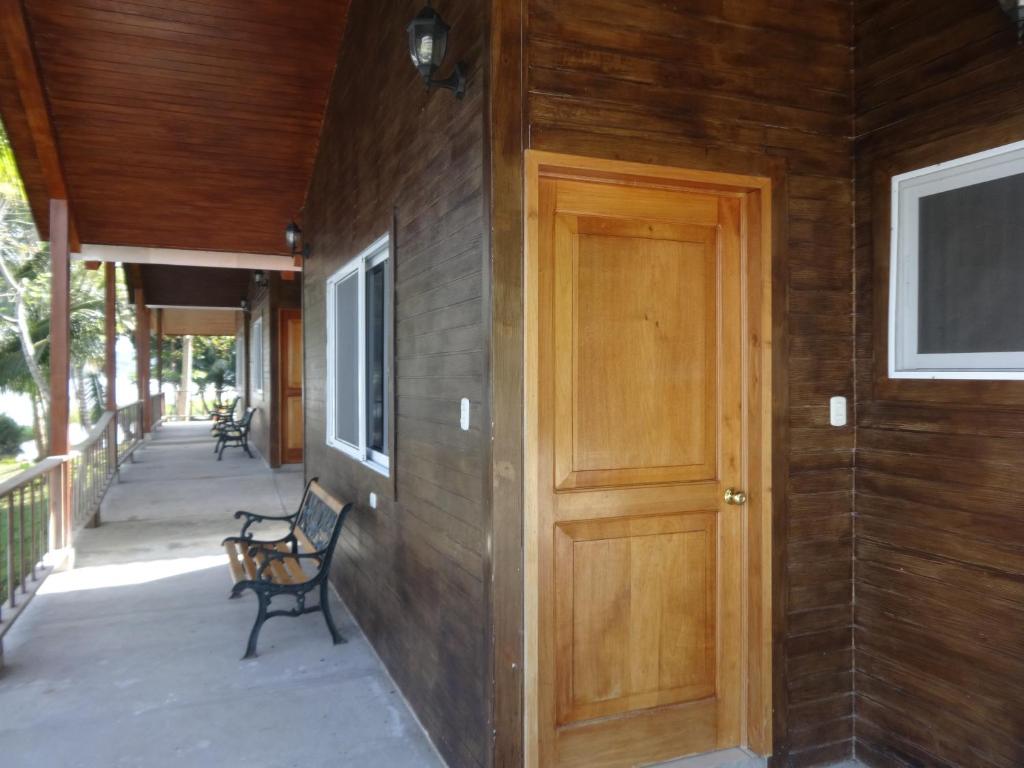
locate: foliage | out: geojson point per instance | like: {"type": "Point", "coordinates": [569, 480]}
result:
{"type": "Point", "coordinates": [11, 436]}
{"type": "Point", "coordinates": [213, 364]}
{"type": "Point", "coordinates": [25, 309]}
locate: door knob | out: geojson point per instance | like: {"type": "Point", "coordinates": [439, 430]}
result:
{"type": "Point", "coordinates": [732, 496]}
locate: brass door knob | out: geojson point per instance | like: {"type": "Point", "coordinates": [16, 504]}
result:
{"type": "Point", "coordinates": [732, 496]}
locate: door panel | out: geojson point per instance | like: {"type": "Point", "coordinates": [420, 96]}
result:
{"type": "Point", "coordinates": [635, 339]}
{"type": "Point", "coordinates": [291, 386]}
{"type": "Point", "coordinates": [636, 612]}
{"type": "Point", "coordinates": [639, 408]}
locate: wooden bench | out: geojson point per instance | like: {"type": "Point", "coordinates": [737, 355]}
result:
{"type": "Point", "coordinates": [275, 567]}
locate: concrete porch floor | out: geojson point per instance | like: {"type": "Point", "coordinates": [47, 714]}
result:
{"type": "Point", "coordinates": [133, 657]}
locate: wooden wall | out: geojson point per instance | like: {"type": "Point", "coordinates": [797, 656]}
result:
{"type": "Point", "coordinates": [939, 514]}
{"type": "Point", "coordinates": [413, 571]}
{"type": "Point", "coordinates": [760, 87]}
{"type": "Point", "coordinates": [265, 302]}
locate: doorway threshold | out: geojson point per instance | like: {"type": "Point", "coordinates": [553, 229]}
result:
{"type": "Point", "coordinates": [725, 758]}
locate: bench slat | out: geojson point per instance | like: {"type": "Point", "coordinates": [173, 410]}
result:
{"type": "Point", "coordinates": [237, 574]}
{"type": "Point", "coordinates": [250, 564]}
{"type": "Point", "coordinates": [295, 572]}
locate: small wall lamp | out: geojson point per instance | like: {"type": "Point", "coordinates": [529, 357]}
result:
{"type": "Point", "coordinates": [293, 237]}
{"type": "Point", "coordinates": [428, 41]}
{"type": "Point", "coordinates": [244, 304]}
{"type": "Point", "coordinates": [260, 278]}
{"type": "Point", "coordinates": [1015, 10]}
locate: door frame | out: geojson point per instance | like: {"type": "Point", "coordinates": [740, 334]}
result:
{"type": "Point", "coordinates": [755, 193]}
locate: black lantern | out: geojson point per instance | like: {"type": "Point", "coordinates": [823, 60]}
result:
{"type": "Point", "coordinates": [260, 278]}
{"type": "Point", "coordinates": [293, 237]}
{"type": "Point", "coordinates": [1015, 10]}
{"type": "Point", "coordinates": [428, 41]}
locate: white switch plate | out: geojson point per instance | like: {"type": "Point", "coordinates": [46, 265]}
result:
{"type": "Point", "coordinates": [373, 500]}
{"type": "Point", "coordinates": [837, 411]}
{"type": "Point", "coordinates": [464, 414]}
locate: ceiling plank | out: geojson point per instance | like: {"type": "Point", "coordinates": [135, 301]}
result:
{"type": "Point", "coordinates": [22, 56]}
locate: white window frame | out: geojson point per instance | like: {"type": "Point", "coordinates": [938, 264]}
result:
{"type": "Point", "coordinates": [905, 362]}
{"type": "Point", "coordinates": [376, 253]}
{"type": "Point", "coordinates": [256, 355]}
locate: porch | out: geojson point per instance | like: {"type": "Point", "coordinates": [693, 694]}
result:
{"type": "Point", "coordinates": [133, 655]}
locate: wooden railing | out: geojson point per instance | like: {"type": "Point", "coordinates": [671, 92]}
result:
{"type": "Point", "coordinates": [156, 408]}
{"type": "Point", "coordinates": [129, 430]}
{"type": "Point", "coordinates": [26, 528]}
{"type": "Point", "coordinates": [42, 508]}
{"type": "Point", "coordinates": [93, 466]}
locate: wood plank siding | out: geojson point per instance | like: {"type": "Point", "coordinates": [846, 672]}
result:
{"type": "Point", "coordinates": [394, 157]}
{"type": "Point", "coordinates": [939, 517]}
{"type": "Point", "coordinates": [751, 87]}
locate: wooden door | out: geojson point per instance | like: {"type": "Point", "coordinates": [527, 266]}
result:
{"type": "Point", "coordinates": [291, 386]}
{"type": "Point", "coordinates": [639, 433]}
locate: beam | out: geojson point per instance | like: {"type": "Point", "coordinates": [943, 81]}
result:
{"type": "Point", "coordinates": [142, 357]}
{"type": "Point", "coordinates": [129, 254]}
{"type": "Point", "coordinates": [22, 55]}
{"type": "Point", "coordinates": [110, 334]}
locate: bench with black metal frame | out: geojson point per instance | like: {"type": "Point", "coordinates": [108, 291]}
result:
{"type": "Point", "coordinates": [235, 433]}
{"type": "Point", "coordinates": [223, 415]}
{"type": "Point", "coordinates": [274, 567]}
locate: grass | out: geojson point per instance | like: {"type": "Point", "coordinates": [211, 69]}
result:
{"type": "Point", "coordinates": [9, 467]}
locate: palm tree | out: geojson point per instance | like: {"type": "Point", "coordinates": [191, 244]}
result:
{"type": "Point", "coordinates": [25, 308]}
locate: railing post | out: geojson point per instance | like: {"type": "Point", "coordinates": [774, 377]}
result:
{"type": "Point", "coordinates": [53, 503]}
{"type": "Point", "coordinates": [22, 563]}
{"type": "Point", "coordinates": [10, 551]}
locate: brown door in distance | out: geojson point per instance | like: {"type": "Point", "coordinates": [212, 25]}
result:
{"type": "Point", "coordinates": [291, 386]}
{"type": "Point", "coordinates": [639, 439]}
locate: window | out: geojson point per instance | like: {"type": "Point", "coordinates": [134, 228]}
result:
{"type": "Point", "coordinates": [956, 293]}
{"type": "Point", "coordinates": [358, 365]}
{"type": "Point", "coordinates": [256, 356]}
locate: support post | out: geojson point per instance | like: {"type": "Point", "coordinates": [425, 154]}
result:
{"type": "Point", "coordinates": [184, 400]}
{"type": "Point", "coordinates": [159, 361]}
{"type": "Point", "coordinates": [60, 369]}
{"type": "Point", "coordinates": [160, 350]}
{"type": "Point", "coordinates": [142, 358]}
{"type": "Point", "coordinates": [110, 334]}
{"type": "Point", "coordinates": [60, 326]}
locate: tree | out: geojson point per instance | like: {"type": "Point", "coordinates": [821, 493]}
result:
{"type": "Point", "coordinates": [213, 364]}
{"type": "Point", "coordinates": [21, 261]}
{"type": "Point", "coordinates": [11, 436]}
{"type": "Point", "coordinates": [25, 310]}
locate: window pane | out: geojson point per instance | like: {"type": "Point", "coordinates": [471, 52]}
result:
{"type": "Point", "coordinates": [376, 368]}
{"type": "Point", "coordinates": [971, 269]}
{"type": "Point", "coordinates": [346, 360]}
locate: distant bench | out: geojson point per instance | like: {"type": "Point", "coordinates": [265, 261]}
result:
{"type": "Point", "coordinates": [274, 567]}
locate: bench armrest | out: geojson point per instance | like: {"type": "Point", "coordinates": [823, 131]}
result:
{"type": "Point", "coordinates": [260, 543]}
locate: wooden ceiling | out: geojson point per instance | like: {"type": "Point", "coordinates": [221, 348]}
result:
{"type": "Point", "coordinates": [191, 124]}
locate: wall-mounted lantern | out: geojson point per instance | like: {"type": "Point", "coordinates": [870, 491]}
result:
{"type": "Point", "coordinates": [260, 278]}
{"type": "Point", "coordinates": [293, 237]}
{"type": "Point", "coordinates": [1015, 10]}
{"type": "Point", "coordinates": [244, 304]}
{"type": "Point", "coordinates": [428, 41]}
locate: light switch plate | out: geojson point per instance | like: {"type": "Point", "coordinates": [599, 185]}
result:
{"type": "Point", "coordinates": [464, 414]}
{"type": "Point", "coordinates": [837, 411]}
